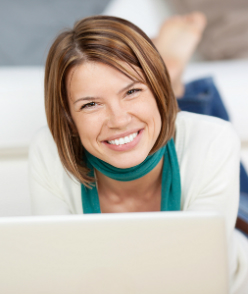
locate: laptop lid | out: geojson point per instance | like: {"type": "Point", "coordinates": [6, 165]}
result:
{"type": "Point", "coordinates": [172, 252]}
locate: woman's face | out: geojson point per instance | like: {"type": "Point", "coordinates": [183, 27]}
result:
{"type": "Point", "coordinates": [117, 119]}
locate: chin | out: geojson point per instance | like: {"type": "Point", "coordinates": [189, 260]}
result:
{"type": "Point", "coordinates": [127, 162]}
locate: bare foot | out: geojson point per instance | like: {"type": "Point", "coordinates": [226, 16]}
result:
{"type": "Point", "coordinates": [177, 41]}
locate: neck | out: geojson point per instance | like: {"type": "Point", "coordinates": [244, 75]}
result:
{"type": "Point", "coordinates": [142, 188]}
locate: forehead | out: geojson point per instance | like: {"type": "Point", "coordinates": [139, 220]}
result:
{"type": "Point", "coordinates": [94, 76]}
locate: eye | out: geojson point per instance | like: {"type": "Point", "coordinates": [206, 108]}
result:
{"type": "Point", "coordinates": [132, 91]}
{"type": "Point", "coordinates": [89, 105]}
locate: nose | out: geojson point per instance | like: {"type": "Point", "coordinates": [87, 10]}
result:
{"type": "Point", "coordinates": [118, 116]}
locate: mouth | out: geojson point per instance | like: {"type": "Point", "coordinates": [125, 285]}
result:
{"type": "Point", "coordinates": [123, 140]}
{"type": "Point", "coordinates": [124, 143]}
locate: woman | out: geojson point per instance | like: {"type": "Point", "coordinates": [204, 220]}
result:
{"type": "Point", "coordinates": [118, 143]}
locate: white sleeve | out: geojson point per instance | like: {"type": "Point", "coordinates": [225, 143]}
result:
{"type": "Point", "coordinates": [146, 14]}
{"type": "Point", "coordinates": [45, 172]}
{"type": "Point", "coordinates": [209, 167]}
{"type": "Point", "coordinates": [218, 178]}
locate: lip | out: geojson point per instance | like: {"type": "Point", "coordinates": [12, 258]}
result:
{"type": "Point", "coordinates": [126, 146]}
{"type": "Point", "coordinates": [122, 135]}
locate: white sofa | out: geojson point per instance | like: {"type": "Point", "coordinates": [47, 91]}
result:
{"type": "Point", "coordinates": [22, 114]}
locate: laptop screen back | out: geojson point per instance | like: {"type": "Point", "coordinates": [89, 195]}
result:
{"type": "Point", "coordinates": [175, 252]}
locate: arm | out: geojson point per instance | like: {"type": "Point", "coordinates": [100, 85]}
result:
{"type": "Point", "coordinates": [209, 166]}
{"type": "Point", "coordinates": [45, 177]}
{"type": "Point", "coordinates": [218, 177]}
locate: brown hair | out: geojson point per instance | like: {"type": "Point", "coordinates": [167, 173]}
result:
{"type": "Point", "coordinates": [111, 41]}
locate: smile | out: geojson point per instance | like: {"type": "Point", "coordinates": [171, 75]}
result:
{"type": "Point", "coordinates": [124, 140]}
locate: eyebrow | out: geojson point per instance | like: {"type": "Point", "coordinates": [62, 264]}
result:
{"type": "Point", "coordinates": [88, 98]}
{"type": "Point", "coordinates": [128, 86]}
{"type": "Point", "coordinates": [91, 98]}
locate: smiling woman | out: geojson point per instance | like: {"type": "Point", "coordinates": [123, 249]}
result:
{"type": "Point", "coordinates": [100, 60]}
{"type": "Point", "coordinates": [117, 142]}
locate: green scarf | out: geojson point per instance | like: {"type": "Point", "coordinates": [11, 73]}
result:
{"type": "Point", "coordinates": [171, 187]}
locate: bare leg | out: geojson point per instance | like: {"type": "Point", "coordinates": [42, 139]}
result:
{"type": "Point", "coordinates": [177, 41]}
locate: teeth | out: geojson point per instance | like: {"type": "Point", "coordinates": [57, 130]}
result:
{"type": "Point", "coordinates": [124, 140]}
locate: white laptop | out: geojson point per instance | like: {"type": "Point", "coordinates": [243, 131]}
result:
{"type": "Point", "coordinates": [131, 253]}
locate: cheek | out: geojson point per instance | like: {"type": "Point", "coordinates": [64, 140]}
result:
{"type": "Point", "coordinates": [157, 123]}
{"type": "Point", "coordinates": [149, 112]}
{"type": "Point", "coordinates": [157, 118]}
{"type": "Point", "coordinates": [88, 128]}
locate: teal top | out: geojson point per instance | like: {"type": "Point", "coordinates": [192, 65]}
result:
{"type": "Point", "coordinates": [171, 186]}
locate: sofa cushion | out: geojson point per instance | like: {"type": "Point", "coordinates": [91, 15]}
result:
{"type": "Point", "coordinates": [14, 191]}
{"type": "Point", "coordinates": [21, 105]}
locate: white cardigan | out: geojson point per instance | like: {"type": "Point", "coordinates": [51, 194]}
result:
{"type": "Point", "coordinates": [208, 151]}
